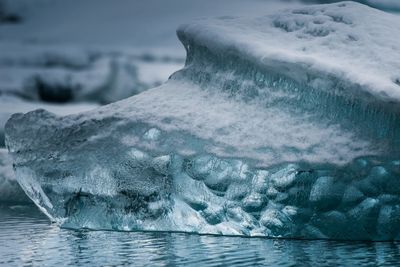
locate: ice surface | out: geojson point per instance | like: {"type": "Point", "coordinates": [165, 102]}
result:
{"type": "Point", "coordinates": [10, 191]}
{"type": "Point", "coordinates": [74, 78]}
{"type": "Point", "coordinates": [11, 104]}
{"type": "Point", "coordinates": [255, 136]}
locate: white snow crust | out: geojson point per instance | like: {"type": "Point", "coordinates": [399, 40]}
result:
{"type": "Point", "coordinates": [353, 42]}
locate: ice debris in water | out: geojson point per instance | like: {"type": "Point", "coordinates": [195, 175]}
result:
{"type": "Point", "coordinates": [278, 126]}
{"type": "Point", "coordinates": [70, 74]}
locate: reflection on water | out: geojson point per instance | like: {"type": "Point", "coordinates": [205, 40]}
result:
{"type": "Point", "coordinates": [27, 238]}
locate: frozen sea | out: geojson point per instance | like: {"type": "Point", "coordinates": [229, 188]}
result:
{"type": "Point", "coordinates": [27, 238]}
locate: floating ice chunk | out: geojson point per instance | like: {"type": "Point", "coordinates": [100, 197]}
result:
{"type": "Point", "coordinates": [254, 136]}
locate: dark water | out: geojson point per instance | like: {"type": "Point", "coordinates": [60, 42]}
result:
{"type": "Point", "coordinates": [27, 238]}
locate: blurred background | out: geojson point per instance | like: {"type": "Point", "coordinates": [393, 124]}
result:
{"type": "Point", "coordinates": [71, 56]}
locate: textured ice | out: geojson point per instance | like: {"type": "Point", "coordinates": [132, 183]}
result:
{"type": "Point", "coordinates": [12, 104]}
{"type": "Point", "coordinates": [278, 126]}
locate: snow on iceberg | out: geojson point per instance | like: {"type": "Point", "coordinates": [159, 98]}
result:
{"type": "Point", "coordinates": [285, 125]}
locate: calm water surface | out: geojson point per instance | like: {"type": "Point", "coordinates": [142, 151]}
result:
{"type": "Point", "coordinates": [27, 238]}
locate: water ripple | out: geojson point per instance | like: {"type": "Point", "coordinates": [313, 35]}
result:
{"type": "Point", "coordinates": [27, 238]}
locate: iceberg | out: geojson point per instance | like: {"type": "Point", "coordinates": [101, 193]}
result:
{"type": "Point", "coordinates": [285, 125]}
